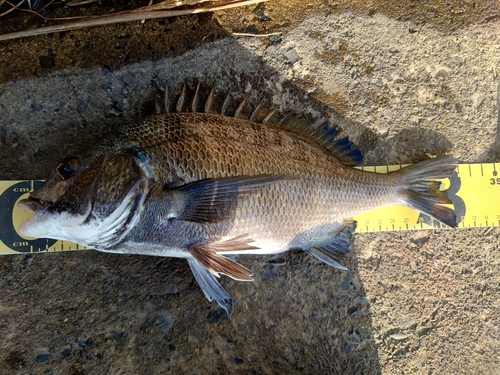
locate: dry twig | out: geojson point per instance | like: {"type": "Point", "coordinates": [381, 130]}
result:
{"type": "Point", "coordinates": [76, 3]}
{"type": "Point", "coordinates": [14, 7]}
{"type": "Point", "coordinates": [257, 35]}
{"type": "Point", "coordinates": [131, 15]}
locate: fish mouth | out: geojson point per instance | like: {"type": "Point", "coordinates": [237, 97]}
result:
{"type": "Point", "coordinates": [32, 205]}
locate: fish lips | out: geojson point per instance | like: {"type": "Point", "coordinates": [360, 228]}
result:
{"type": "Point", "coordinates": [31, 205]}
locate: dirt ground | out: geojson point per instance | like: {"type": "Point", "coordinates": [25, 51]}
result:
{"type": "Point", "coordinates": [405, 80]}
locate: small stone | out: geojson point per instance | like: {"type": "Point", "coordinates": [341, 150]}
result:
{"type": "Point", "coordinates": [268, 272]}
{"type": "Point", "coordinates": [459, 60]}
{"type": "Point", "coordinates": [379, 83]}
{"type": "Point", "coordinates": [361, 300]}
{"type": "Point", "coordinates": [408, 323]}
{"type": "Point", "coordinates": [382, 128]}
{"type": "Point", "coordinates": [116, 335]}
{"type": "Point", "coordinates": [421, 363]}
{"type": "Point", "coordinates": [356, 282]}
{"type": "Point", "coordinates": [42, 358]}
{"type": "Point", "coordinates": [66, 352]}
{"type": "Point", "coordinates": [419, 238]}
{"type": "Point", "coordinates": [437, 71]}
{"type": "Point", "coordinates": [424, 330]}
{"type": "Point", "coordinates": [354, 336]}
{"type": "Point", "coordinates": [396, 78]}
{"type": "Point", "coordinates": [482, 156]}
{"type": "Point", "coordinates": [414, 119]}
{"type": "Point", "coordinates": [292, 56]}
{"type": "Point", "coordinates": [344, 284]}
{"type": "Point", "coordinates": [275, 38]}
{"type": "Point", "coordinates": [164, 322]}
{"type": "Point", "coordinates": [393, 50]}
{"type": "Point", "coordinates": [399, 337]}
{"type": "Point", "coordinates": [47, 62]}
{"type": "Point", "coordinates": [390, 331]}
{"type": "Point", "coordinates": [477, 100]}
{"type": "Point", "coordinates": [251, 29]}
{"type": "Point", "coordinates": [442, 73]}
{"type": "Point", "coordinates": [44, 355]}
{"type": "Point", "coordinates": [218, 315]}
{"type": "Point", "coordinates": [351, 310]}
{"type": "Point", "coordinates": [237, 361]}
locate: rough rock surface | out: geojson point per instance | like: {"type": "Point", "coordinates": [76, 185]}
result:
{"type": "Point", "coordinates": [405, 82]}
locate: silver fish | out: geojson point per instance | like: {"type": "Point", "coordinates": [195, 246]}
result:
{"type": "Point", "coordinates": [201, 185]}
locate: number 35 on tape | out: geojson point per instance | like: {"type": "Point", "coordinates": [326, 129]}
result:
{"type": "Point", "coordinates": [474, 190]}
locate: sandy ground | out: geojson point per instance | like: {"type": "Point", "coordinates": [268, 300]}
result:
{"type": "Point", "coordinates": [404, 82]}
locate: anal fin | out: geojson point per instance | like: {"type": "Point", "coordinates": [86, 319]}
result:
{"type": "Point", "coordinates": [333, 252]}
{"type": "Point", "coordinates": [208, 255]}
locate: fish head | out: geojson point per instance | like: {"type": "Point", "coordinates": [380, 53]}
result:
{"type": "Point", "coordinates": [93, 201]}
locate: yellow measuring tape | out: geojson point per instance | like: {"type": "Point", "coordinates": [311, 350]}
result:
{"type": "Point", "coordinates": [473, 188]}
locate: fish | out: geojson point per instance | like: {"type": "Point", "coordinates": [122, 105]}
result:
{"type": "Point", "coordinates": [207, 179]}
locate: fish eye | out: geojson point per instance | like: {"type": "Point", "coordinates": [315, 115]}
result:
{"type": "Point", "coordinates": [67, 168]}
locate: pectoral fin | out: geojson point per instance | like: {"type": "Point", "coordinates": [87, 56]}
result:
{"type": "Point", "coordinates": [208, 255]}
{"type": "Point", "coordinates": [213, 200]}
{"type": "Point", "coordinates": [333, 252]}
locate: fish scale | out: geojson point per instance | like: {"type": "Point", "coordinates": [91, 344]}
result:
{"type": "Point", "coordinates": [202, 186]}
{"type": "Point", "coordinates": [309, 207]}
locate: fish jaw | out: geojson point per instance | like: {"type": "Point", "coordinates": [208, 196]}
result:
{"type": "Point", "coordinates": [56, 225]}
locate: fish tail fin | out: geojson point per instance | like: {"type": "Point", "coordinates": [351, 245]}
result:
{"type": "Point", "coordinates": [421, 190]}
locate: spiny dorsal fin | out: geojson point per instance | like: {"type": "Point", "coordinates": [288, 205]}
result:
{"type": "Point", "coordinates": [166, 99]}
{"type": "Point", "coordinates": [253, 115]}
{"type": "Point", "coordinates": [182, 104]}
{"type": "Point", "coordinates": [239, 109]}
{"type": "Point", "coordinates": [271, 117]}
{"type": "Point", "coordinates": [227, 103]}
{"type": "Point", "coordinates": [197, 100]}
{"type": "Point", "coordinates": [210, 100]}
{"type": "Point", "coordinates": [326, 136]}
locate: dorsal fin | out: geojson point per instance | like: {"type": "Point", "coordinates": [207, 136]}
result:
{"type": "Point", "coordinates": [226, 104]}
{"type": "Point", "coordinates": [326, 136]}
{"type": "Point", "coordinates": [196, 102]}
{"type": "Point", "coordinates": [182, 104]}
{"type": "Point", "coordinates": [253, 115]}
{"type": "Point", "coordinates": [210, 99]}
